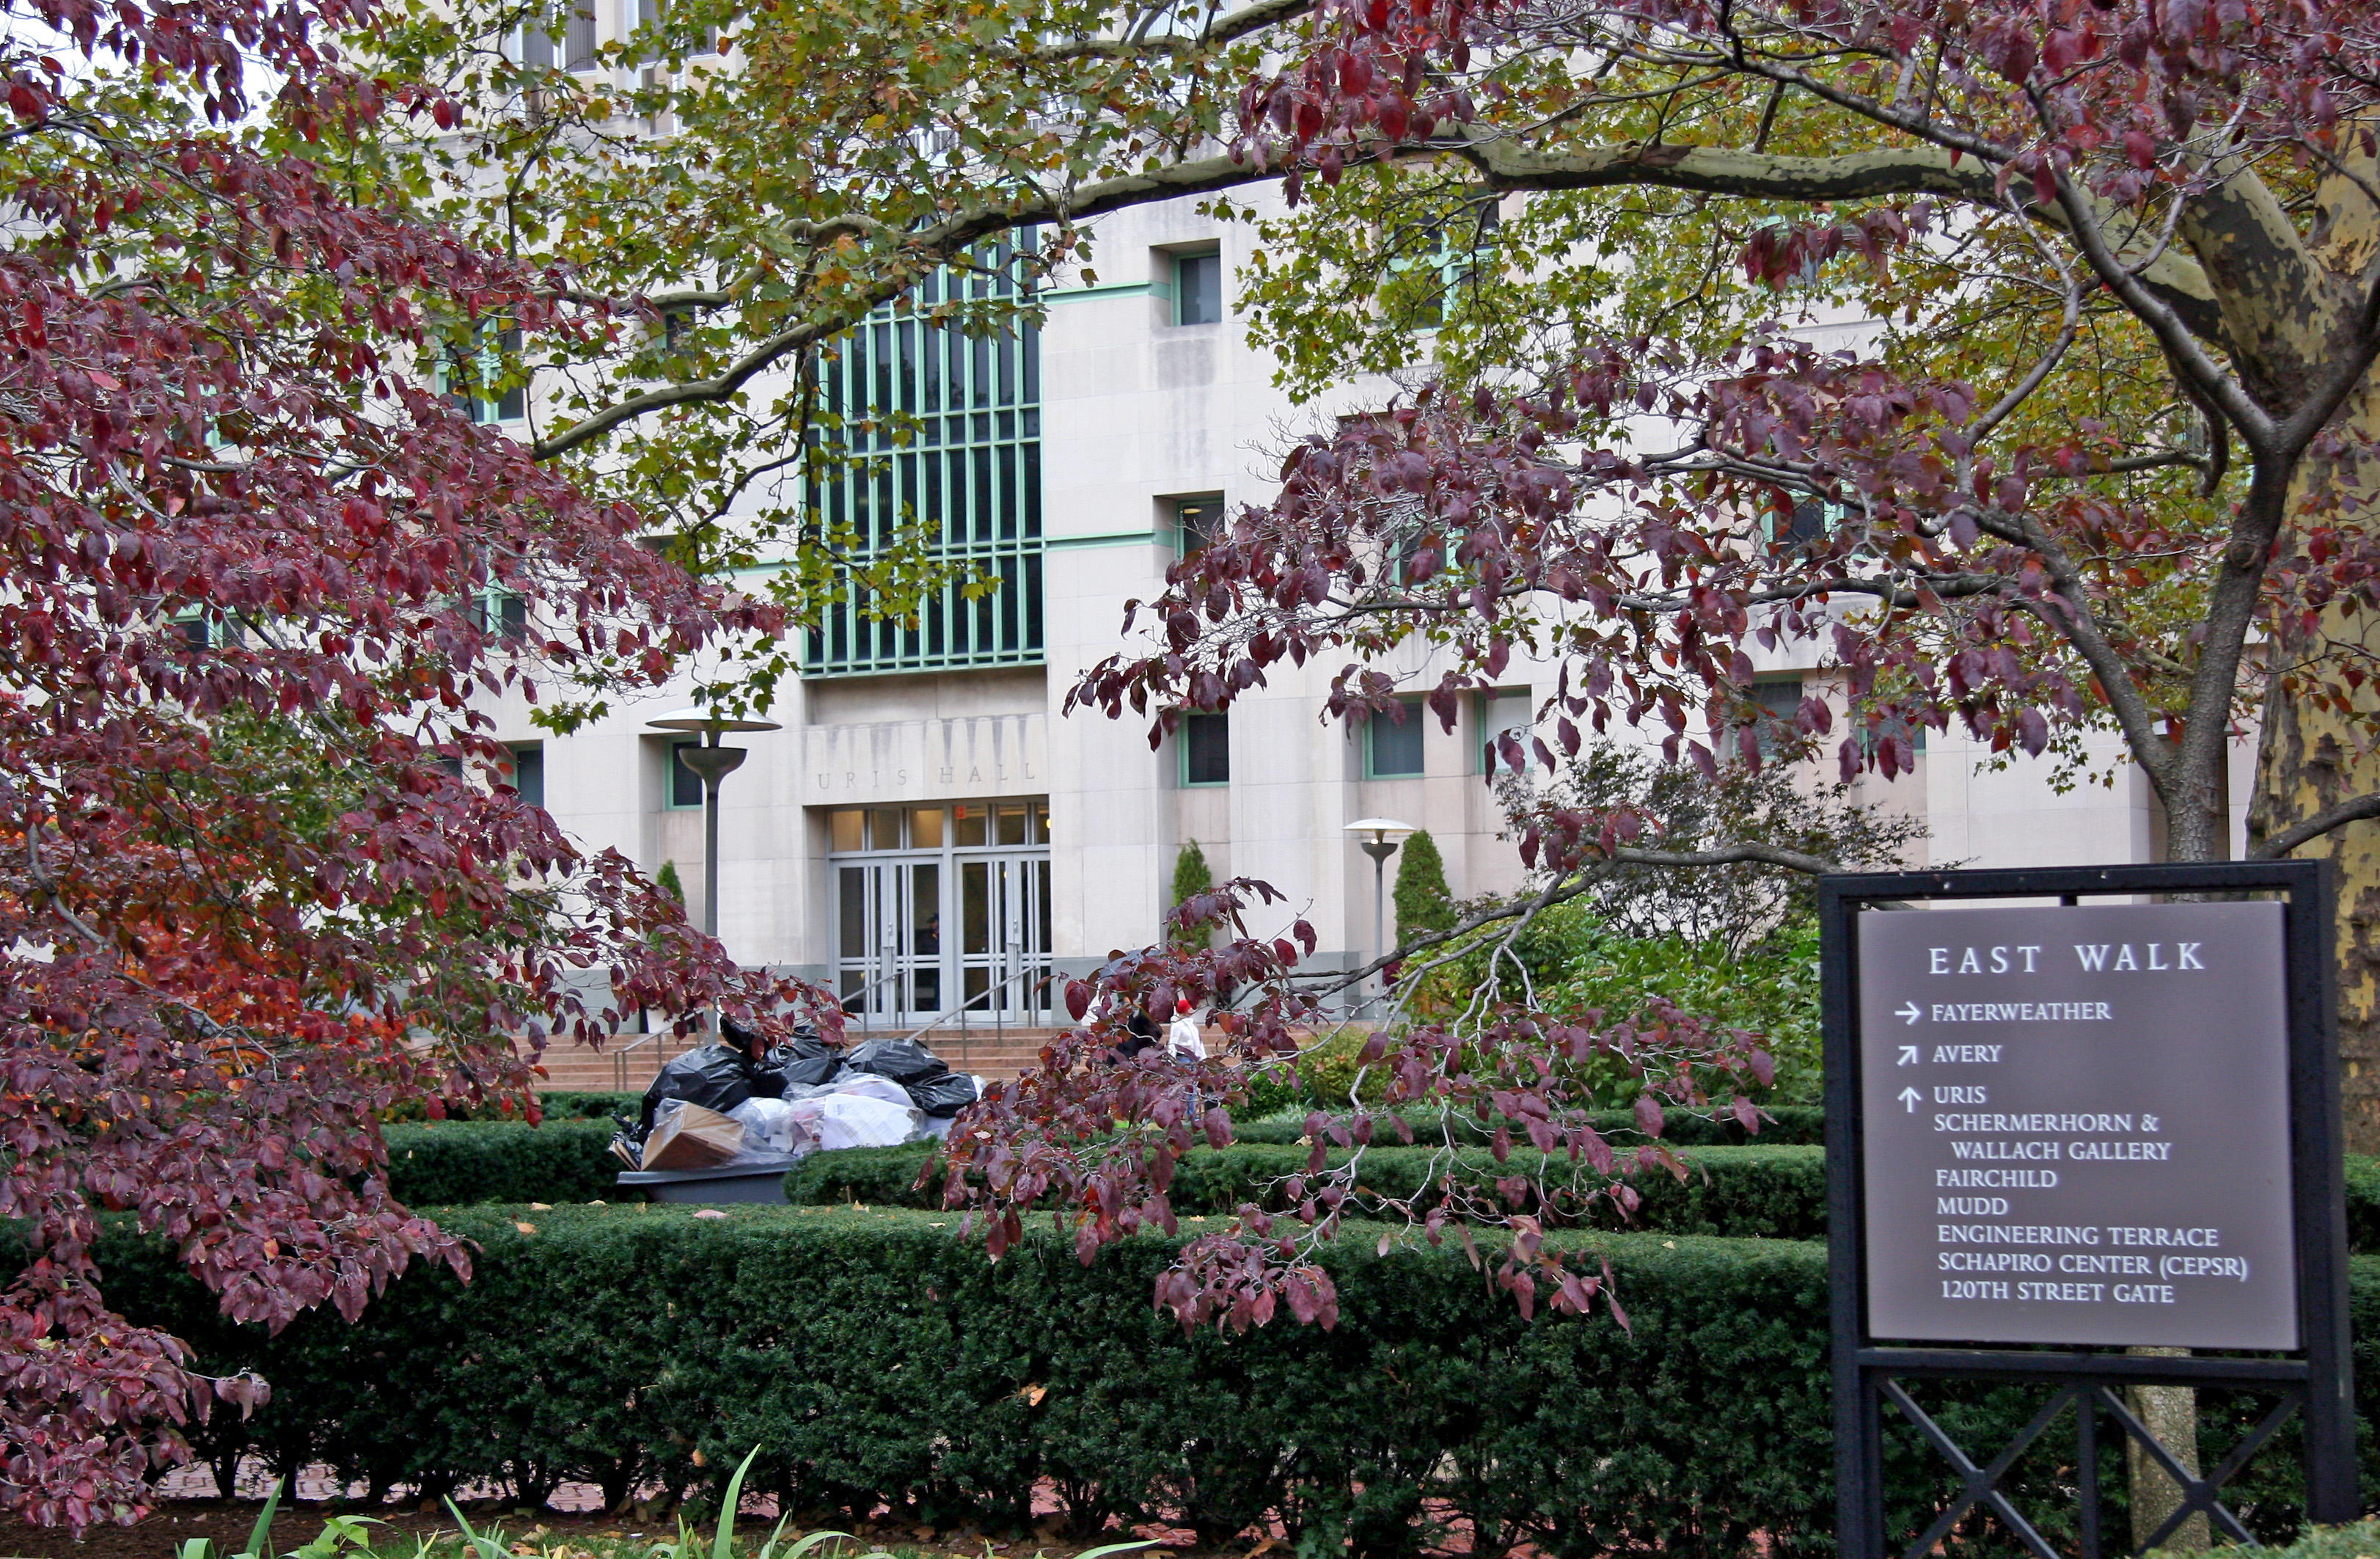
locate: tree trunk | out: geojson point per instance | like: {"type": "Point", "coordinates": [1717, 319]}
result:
{"type": "Point", "coordinates": [2311, 758]}
{"type": "Point", "coordinates": [2198, 826]}
{"type": "Point", "coordinates": [2171, 1414]}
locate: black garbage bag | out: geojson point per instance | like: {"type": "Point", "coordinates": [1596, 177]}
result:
{"type": "Point", "coordinates": [945, 1095]}
{"type": "Point", "coordinates": [801, 1045]}
{"type": "Point", "coordinates": [905, 1061]}
{"type": "Point", "coordinates": [807, 1072]}
{"type": "Point", "coordinates": [804, 1060]}
{"type": "Point", "coordinates": [712, 1075]}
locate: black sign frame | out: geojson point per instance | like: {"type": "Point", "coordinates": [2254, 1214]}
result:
{"type": "Point", "coordinates": [2316, 1381]}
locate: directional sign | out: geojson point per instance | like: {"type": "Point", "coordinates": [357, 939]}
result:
{"type": "Point", "coordinates": [2089, 1141]}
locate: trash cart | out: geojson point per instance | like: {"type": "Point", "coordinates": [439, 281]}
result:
{"type": "Point", "coordinates": [762, 1181]}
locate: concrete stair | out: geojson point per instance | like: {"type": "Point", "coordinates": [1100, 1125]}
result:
{"type": "Point", "coordinates": [628, 1061]}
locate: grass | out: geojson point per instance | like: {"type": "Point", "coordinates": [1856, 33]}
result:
{"type": "Point", "coordinates": [350, 1537]}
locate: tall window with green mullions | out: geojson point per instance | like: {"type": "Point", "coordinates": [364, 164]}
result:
{"type": "Point", "coordinates": [944, 431]}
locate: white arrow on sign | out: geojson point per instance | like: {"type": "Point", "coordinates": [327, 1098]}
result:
{"type": "Point", "coordinates": [1908, 1096]}
{"type": "Point", "coordinates": [1908, 1056]}
{"type": "Point", "coordinates": [1906, 1012]}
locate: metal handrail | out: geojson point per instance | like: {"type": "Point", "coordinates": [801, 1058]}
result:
{"type": "Point", "coordinates": [944, 1017]}
{"type": "Point", "coordinates": [620, 1058]}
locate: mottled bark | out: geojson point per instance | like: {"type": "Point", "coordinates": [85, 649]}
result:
{"type": "Point", "coordinates": [2311, 759]}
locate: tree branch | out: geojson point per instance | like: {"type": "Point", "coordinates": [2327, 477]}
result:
{"type": "Point", "coordinates": [2177, 281]}
{"type": "Point", "coordinates": [949, 237]}
{"type": "Point", "coordinates": [2353, 811]}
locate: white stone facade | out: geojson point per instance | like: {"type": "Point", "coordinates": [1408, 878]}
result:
{"type": "Point", "coordinates": [1137, 411]}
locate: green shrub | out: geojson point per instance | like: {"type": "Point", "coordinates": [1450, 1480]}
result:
{"type": "Point", "coordinates": [1192, 876]}
{"type": "Point", "coordinates": [453, 1163]}
{"type": "Point", "coordinates": [871, 1356]}
{"type": "Point", "coordinates": [2360, 1540]}
{"type": "Point", "coordinates": [1326, 1077]}
{"type": "Point", "coordinates": [1576, 963]}
{"type": "Point", "coordinates": [1422, 900]}
{"type": "Point", "coordinates": [1777, 1193]}
{"type": "Point", "coordinates": [1794, 1125]}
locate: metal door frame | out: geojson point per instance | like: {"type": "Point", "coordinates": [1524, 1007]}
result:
{"type": "Point", "coordinates": [891, 966]}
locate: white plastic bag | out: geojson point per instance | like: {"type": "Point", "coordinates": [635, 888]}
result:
{"type": "Point", "coordinates": [852, 1120]}
{"type": "Point", "coordinates": [868, 1085]}
{"type": "Point", "coordinates": [771, 1129]}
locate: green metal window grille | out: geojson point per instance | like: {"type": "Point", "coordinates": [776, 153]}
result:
{"type": "Point", "coordinates": [970, 473]}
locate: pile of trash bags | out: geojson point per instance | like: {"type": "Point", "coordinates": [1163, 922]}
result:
{"type": "Point", "coordinates": [718, 1107]}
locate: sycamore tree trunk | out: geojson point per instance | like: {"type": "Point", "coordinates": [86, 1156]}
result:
{"type": "Point", "coordinates": [2311, 758]}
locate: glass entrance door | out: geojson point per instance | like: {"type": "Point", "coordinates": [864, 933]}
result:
{"type": "Point", "coordinates": [889, 939]}
{"type": "Point", "coordinates": [1005, 934]}
{"type": "Point", "coordinates": [937, 908]}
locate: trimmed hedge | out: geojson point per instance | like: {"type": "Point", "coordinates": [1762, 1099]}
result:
{"type": "Point", "coordinates": [871, 1356]}
{"type": "Point", "coordinates": [453, 1163]}
{"type": "Point", "coordinates": [459, 1164]}
{"type": "Point", "coordinates": [1795, 1126]}
{"type": "Point", "coordinates": [1778, 1193]}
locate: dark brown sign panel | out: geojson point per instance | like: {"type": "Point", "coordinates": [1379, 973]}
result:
{"type": "Point", "coordinates": [2076, 1123]}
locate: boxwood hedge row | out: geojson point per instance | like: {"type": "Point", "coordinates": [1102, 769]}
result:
{"type": "Point", "coordinates": [1793, 1124]}
{"type": "Point", "coordinates": [1761, 1190]}
{"type": "Point", "coordinates": [453, 1163]}
{"type": "Point", "coordinates": [1779, 1193]}
{"type": "Point", "coordinates": [873, 1358]}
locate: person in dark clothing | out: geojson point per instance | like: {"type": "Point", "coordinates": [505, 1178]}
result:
{"type": "Point", "coordinates": [1141, 1033]}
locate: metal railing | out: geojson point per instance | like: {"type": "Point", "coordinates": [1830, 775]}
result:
{"type": "Point", "coordinates": [620, 1057]}
{"type": "Point", "coordinates": [1047, 976]}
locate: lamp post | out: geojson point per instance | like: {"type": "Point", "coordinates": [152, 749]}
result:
{"type": "Point", "coordinates": [1379, 847]}
{"type": "Point", "coordinates": [713, 762]}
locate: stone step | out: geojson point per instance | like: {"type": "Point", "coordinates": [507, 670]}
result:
{"type": "Point", "coordinates": [628, 1063]}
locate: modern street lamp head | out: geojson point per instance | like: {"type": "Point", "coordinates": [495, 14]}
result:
{"type": "Point", "coordinates": [703, 722]}
{"type": "Point", "coordinates": [713, 763]}
{"type": "Point", "coordinates": [1381, 846]}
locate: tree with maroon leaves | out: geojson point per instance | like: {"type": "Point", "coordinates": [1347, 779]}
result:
{"type": "Point", "coordinates": [2102, 466]}
{"type": "Point", "coordinates": [259, 879]}
{"type": "Point", "coordinates": [2098, 466]}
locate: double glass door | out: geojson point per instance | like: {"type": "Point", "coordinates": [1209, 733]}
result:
{"type": "Point", "coordinates": [937, 909]}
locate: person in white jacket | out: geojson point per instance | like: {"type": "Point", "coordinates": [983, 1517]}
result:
{"type": "Point", "coordinates": [1184, 1039]}
{"type": "Point", "coordinates": [1187, 1047]}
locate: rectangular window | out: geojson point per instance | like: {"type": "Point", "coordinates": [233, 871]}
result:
{"type": "Point", "coordinates": [528, 773]}
{"type": "Point", "coordinates": [1198, 288]}
{"type": "Point", "coordinates": [1197, 521]}
{"type": "Point", "coordinates": [501, 614]}
{"type": "Point", "coordinates": [847, 831]}
{"type": "Point", "coordinates": [1506, 708]}
{"type": "Point", "coordinates": [1811, 519]}
{"type": "Point", "coordinates": [1899, 725]}
{"type": "Point", "coordinates": [942, 429]}
{"type": "Point", "coordinates": [1392, 739]}
{"type": "Point", "coordinates": [968, 822]}
{"type": "Point", "coordinates": [684, 784]}
{"type": "Point", "coordinates": [482, 381]}
{"type": "Point", "coordinates": [1206, 750]}
{"type": "Point", "coordinates": [649, 15]}
{"type": "Point", "coordinates": [1448, 258]}
{"type": "Point", "coordinates": [578, 38]}
{"type": "Point", "coordinates": [1780, 698]}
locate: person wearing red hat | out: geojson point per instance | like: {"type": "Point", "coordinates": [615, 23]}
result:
{"type": "Point", "coordinates": [1184, 1039]}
